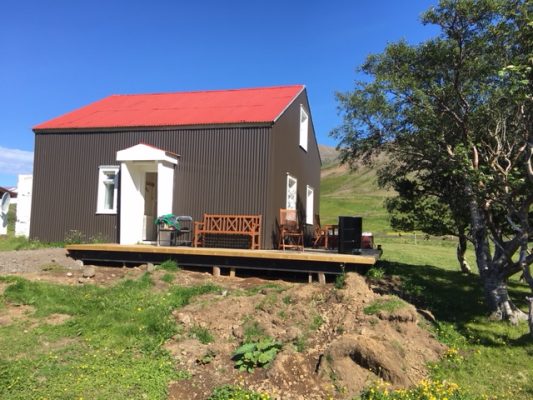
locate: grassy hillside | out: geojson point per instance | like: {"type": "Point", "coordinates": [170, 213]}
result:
{"type": "Point", "coordinates": [344, 192]}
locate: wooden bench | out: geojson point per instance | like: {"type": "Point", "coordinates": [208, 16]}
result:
{"type": "Point", "coordinates": [217, 224]}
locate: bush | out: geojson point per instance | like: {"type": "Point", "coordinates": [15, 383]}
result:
{"type": "Point", "coordinates": [258, 354]}
{"type": "Point", "coordinates": [375, 273]}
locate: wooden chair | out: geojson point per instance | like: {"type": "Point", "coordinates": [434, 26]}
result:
{"type": "Point", "coordinates": [320, 235]}
{"type": "Point", "coordinates": [291, 236]}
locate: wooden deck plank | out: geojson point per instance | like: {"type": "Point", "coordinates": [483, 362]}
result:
{"type": "Point", "coordinates": [369, 258]}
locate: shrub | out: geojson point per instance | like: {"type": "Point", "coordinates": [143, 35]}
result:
{"type": "Point", "coordinates": [258, 354]}
{"type": "Point", "coordinates": [375, 273]}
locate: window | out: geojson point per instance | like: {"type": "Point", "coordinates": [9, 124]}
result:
{"type": "Point", "coordinates": [107, 190]}
{"type": "Point", "coordinates": [291, 192]}
{"type": "Point", "coordinates": [309, 205]}
{"type": "Point", "coordinates": [304, 128]}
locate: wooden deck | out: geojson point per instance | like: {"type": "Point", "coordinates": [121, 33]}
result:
{"type": "Point", "coordinates": [308, 261]}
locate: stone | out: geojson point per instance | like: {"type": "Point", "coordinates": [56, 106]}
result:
{"type": "Point", "coordinates": [89, 271]}
{"type": "Point", "coordinates": [150, 267]}
{"type": "Point", "coordinates": [69, 274]}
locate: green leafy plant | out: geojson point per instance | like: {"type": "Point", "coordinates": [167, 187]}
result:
{"type": "Point", "coordinates": [258, 354]}
{"type": "Point", "coordinates": [375, 273]}
{"type": "Point", "coordinates": [340, 280]}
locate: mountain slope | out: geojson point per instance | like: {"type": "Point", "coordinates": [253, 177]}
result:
{"type": "Point", "coordinates": [353, 193]}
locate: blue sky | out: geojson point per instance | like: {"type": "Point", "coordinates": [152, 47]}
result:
{"type": "Point", "coordinates": [56, 56]}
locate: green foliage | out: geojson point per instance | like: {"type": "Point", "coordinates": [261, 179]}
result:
{"type": "Point", "coordinates": [388, 305]}
{"type": "Point", "coordinates": [230, 392]}
{"type": "Point", "coordinates": [110, 347]}
{"type": "Point", "coordinates": [453, 115]}
{"type": "Point", "coordinates": [256, 354]}
{"type": "Point", "coordinates": [375, 273]}
{"type": "Point", "coordinates": [202, 334]}
{"type": "Point", "coordinates": [340, 280]}
{"type": "Point", "coordinates": [169, 265]}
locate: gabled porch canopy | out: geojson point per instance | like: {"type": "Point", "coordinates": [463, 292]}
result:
{"type": "Point", "coordinates": [135, 163]}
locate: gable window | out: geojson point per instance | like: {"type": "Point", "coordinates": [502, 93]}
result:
{"type": "Point", "coordinates": [292, 184]}
{"type": "Point", "coordinates": [304, 128]}
{"type": "Point", "coordinates": [107, 189]}
{"type": "Point", "coordinates": [309, 205]}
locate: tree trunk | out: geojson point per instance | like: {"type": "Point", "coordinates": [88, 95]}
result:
{"type": "Point", "coordinates": [497, 297]}
{"type": "Point", "coordinates": [494, 283]}
{"type": "Point", "coordinates": [461, 250]}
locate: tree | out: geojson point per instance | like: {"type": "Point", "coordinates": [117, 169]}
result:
{"type": "Point", "coordinates": [416, 208]}
{"type": "Point", "coordinates": [454, 115]}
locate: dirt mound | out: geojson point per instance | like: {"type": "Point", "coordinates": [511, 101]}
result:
{"type": "Point", "coordinates": [335, 341]}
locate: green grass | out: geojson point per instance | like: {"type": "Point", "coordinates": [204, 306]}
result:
{"type": "Point", "coordinates": [387, 305]}
{"type": "Point", "coordinates": [110, 347]}
{"type": "Point", "coordinates": [202, 334]}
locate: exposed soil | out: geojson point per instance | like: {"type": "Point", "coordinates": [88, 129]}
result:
{"type": "Point", "coordinates": [331, 347]}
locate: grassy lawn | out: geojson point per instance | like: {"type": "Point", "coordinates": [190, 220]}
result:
{"type": "Point", "coordinates": [109, 347]}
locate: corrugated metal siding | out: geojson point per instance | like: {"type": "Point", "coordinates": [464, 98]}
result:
{"type": "Point", "coordinates": [221, 170]}
{"type": "Point", "coordinates": [289, 157]}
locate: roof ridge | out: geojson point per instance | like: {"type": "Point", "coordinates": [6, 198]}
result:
{"type": "Point", "coordinates": [206, 91]}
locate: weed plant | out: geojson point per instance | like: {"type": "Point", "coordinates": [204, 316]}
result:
{"type": "Point", "coordinates": [202, 334]}
{"type": "Point", "coordinates": [169, 265]}
{"type": "Point", "coordinates": [230, 392]}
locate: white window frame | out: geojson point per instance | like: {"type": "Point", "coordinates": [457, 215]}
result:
{"type": "Point", "coordinates": [103, 172]}
{"type": "Point", "coordinates": [304, 128]}
{"type": "Point", "coordinates": [290, 203]}
{"type": "Point", "coordinates": [309, 205]}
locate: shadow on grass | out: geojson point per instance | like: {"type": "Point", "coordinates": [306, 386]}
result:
{"type": "Point", "coordinates": [457, 299]}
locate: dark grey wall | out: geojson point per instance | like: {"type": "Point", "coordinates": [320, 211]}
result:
{"type": "Point", "coordinates": [289, 158]}
{"type": "Point", "coordinates": [221, 170]}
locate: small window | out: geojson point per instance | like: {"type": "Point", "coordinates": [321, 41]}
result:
{"type": "Point", "coordinates": [309, 205]}
{"type": "Point", "coordinates": [304, 128]}
{"type": "Point", "coordinates": [292, 184]}
{"type": "Point", "coordinates": [107, 190]}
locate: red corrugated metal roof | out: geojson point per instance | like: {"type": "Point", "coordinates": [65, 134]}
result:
{"type": "Point", "coordinates": [182, 108]}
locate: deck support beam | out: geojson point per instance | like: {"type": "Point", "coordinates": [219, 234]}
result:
{"type": "Point", "coordinates": [232, 273]}
{"type": "Point", "coordinates": [322, 278]}
{"type": "Point", "coordinates": [216, 271]}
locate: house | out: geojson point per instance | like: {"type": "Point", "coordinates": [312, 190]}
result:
{"type": "Point", "coordinates": [111, 167]}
